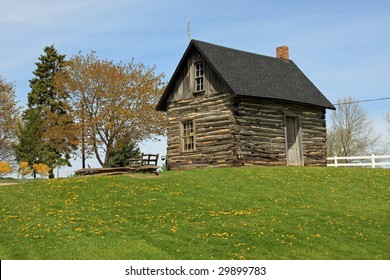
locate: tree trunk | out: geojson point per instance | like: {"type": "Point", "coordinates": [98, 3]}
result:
{"type": "Point", "coordinates": [108, 155]}
{"type": "Point", "coordinates": [98, 157]}
{"type": "Point", "coordinates": [51, 173]}
{"type": "Point", "coordinates": [83, 134]}
{"type": "Point", "coordinates": [97, 153]}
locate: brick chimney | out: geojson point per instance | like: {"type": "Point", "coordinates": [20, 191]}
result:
{"type": "Point", "coordinates": [282, 52]}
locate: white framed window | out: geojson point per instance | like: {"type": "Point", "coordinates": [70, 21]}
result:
{"type": "Point", "coordinates": [188, 136]}
{"type": "Point", "coordinates": [199, 76]}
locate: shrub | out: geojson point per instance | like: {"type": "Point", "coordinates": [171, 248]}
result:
{"type": "Point", "coordinates": [42, 169]}
{"type": "Point", "coordinates": [25, 168]}
{"type": "Point", "coordinates": [5, 168]}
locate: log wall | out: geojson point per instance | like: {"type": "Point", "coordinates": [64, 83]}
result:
{"type": "Point", "coordinates": [260, 132]}
{"type": "Point", "coordinates": [214, 125]}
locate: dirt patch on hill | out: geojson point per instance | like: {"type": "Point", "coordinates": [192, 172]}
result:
{"type": "Point", "coordinates": [7, 184]}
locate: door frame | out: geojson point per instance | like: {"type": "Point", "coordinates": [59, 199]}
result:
{"type": "Point", "coordinates": [297, 136]}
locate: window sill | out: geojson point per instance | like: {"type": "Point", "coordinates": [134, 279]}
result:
{"type": "Point", "coordinates": [188, 152]}
{"type": "Point", "coordinates": [197, 93]}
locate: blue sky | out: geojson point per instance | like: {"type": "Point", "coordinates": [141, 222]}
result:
{"type": "Point", "coordinates": [342, 46]}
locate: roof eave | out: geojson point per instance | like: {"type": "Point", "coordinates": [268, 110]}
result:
{"type": "Point", "coordinates": [330, 107]}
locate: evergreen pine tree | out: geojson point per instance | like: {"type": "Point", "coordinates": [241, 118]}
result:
{"type": "Point", "coordinates": [43, 90]}
{"type": "Point", "coordinates": [30, 147]}
{"type": "Point", "coordinates": [121, 155]}
{"type": "Point", "coordinates": [49, 134]}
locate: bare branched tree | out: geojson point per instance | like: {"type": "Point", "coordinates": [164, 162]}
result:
{"type": "Point", "coordinates": [9, 118]}
{"type": "Point", "coordinates": [387, 118]}
{"type": "Point", "coordinates": [351, 132]}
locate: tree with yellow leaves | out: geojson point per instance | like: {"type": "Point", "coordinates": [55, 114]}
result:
{"type": "Point", "coordinates": [114, 102]}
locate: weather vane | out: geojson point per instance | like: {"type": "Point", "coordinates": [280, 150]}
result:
{"type": "Point", "coordinates": [188, 29]}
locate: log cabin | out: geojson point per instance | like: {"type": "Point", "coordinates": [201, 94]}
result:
{"type": "Point", "coordinates": [227, 107]}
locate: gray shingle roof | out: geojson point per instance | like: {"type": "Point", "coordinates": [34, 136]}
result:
{"type": "Point", "coordinates": [254, 75]}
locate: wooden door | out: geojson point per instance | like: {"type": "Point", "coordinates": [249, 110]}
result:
{"type": "Point", "coordinates": [293, 145]}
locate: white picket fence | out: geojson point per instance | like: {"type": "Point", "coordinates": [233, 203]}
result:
{"type": "Point", "coordinates": [365, 161]}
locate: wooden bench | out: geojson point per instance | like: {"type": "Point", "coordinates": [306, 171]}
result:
{"type": "Point", "coordinates": [145, 163]}
{"type": "Point", "coordinates": [144, 159]}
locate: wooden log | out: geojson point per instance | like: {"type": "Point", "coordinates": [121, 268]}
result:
{"type": "Point", "coordinates": [116, 170]}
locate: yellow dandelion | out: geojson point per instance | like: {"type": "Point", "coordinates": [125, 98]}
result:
{"type": "Point", "coordinates": [213, 214]}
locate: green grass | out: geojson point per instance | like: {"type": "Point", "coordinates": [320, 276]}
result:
{"type": "Point", "coordinates": [226, 213]}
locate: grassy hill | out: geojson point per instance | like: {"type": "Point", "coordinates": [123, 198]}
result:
{"type": "Point", "coordinates": [226, 213]}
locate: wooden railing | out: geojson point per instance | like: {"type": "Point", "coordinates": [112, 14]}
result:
{"type": "Point", "coordinates": [364, 161]}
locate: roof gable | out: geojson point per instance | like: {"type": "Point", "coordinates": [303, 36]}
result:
{"type": "Point", "coordinates": [254, 75]}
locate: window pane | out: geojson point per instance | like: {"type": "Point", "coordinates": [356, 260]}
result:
{"type": "Point", "coordinates": [199, 76]}
{"type": "Point", "coordinates": [199, 84]}
{"type": "Point", "coordinates": [198, 69]}
{"type": "Point", "coordinates": [188, 136]}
